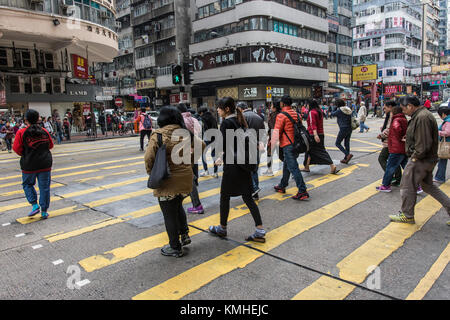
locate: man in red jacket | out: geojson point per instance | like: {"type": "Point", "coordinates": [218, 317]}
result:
{"type": "Point", "coordinates": [284, 133]}
{"type": "Point", "coordinates": [33, 144]}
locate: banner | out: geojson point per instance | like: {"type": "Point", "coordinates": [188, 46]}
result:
{"type": "Point", "coordinates": [364, 73]}
{"type": "Point", "coordinates": [2, 98]}
{"type": "Point", "coordinates": [145, 84]}
{"type": "Point", "coordinates": [80, 67]}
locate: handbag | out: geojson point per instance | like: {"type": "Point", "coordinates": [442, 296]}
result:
{"type": "Point", "coordinates": [355, 123]}
{"type": "Point", "coordinates": [444, 149]}
{"type": "Point", "coordinates": [160, 170]}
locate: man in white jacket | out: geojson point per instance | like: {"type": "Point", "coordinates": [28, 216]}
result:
{"type": "Point", "coordinates": [362, 114]}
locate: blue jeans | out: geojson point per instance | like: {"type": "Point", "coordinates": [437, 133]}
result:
{"type": "Point", "coordinates": [28, 182]}
{"type": "Point", "coordinates": [290, 165]}
{"type": "Point", "coordinates": [394, 160]}
{"type": "Point", "coordinates": [344, 134]}
{"type": "Point", "coordinates": [441, 170]}
{"type": "Point", "coordinates": [362, 126]}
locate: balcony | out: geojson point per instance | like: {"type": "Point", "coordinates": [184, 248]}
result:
{"type": "Point", "coordinates": [169, 8]}
{"type": "Point", "coordinates": [145, 62]}
{"type": "Point", "coordinates": [162, 35]}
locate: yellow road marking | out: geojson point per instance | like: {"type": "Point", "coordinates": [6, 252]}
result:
{"type": "Point", "coordinates": [10, 193]}
{"type": "Point", "coordinates": [358, 140]}
{"type": "Point", "coordinates": [54, 213]}
{"type": "Point", "coordinates": [432, 275]}
{"type": "Point", "coordinates": [197, 277]}
{"type": "Point", "coordinates": [139, 247]}
{"type": "Point", "coordinates": [354, 267]}
{"type": "Point", "coordinates": [81, 166]}
{"type": "Point", "coordinates": [106, 175]}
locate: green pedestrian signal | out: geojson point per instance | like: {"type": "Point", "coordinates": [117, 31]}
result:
{"type": "Point", "coordinates": [176, 74]}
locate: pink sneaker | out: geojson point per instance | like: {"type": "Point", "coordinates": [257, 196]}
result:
{"type": "Point", "coordinates": [419, 190]}
{"type": "Point", "coordinates": [197, 210]}
{"type": "Point", "coordinates": [384, 188]}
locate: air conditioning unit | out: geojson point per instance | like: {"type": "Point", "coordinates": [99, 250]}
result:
{"type": "Point", "coordinates": [118, 24]}
{"type": "Point", "coordinates": [58, 85]}
{"type": "Point", "coordinates": [38, 84]}
{"type": "Point", "coordinates": [74, 12]}
{"type": "Point", "coordinates": [17, 84]}
{"type": "Point", "coordinates": [65, 3]}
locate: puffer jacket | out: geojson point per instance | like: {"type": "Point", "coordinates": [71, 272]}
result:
{"type": "Point", "coordinates": [181, 175]}
{"type": "Point", "coordinates": [192, 124]}
{"type": "Point", "coordinates": [397, 132]}
{"type": "Point", "coordinates": [284, 126]}
{"type": "Point", "coordinates": [344, 117]}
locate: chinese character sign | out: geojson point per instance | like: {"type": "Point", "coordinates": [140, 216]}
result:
{"type": "Point", "coordinates": [80, 67]}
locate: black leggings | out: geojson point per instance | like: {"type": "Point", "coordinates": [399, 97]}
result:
{"type": "Point", "coordinates": [175, 220]}
{"type": "Point", "coordinates": [143, 134]}
{"type": "Point", "coordinates": [225, 209]}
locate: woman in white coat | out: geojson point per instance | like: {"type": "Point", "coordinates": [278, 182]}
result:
{"type": "Point", "coordinates": [362, 114]}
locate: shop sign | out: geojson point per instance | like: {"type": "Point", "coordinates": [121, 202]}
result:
{"type": "Point", "coordinates": [388, 90]}
{"type": "Point", "coordinates": [364, 73]}
{"type": "Point", "coordinates": [103, 98]}
{"type": "Point", "coordinates": [252, 92]}
{"type": "Point", "coordinates": [145, 84]}
{"type": "Point", "coordinates": [441, 68]}
{"type": "Point", "coordinates": [110, 91]}
{"type": "Point", "coordinates": [80, 67]}
{"type": "Point", "coordinates": [2, 98]}
{"type": "Point", "coordinates": [175, 98]}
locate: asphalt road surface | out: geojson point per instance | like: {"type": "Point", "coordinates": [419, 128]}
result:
{"type": "Point", "coordinates": [105, 230]}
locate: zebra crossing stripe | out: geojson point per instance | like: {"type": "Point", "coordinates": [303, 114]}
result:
{"type": "Point", "coordinates": [139, 247]}
{"type": "Point", "coordinates": [354, 267]}
{"type": "Point", "coordinates": [197, 277]}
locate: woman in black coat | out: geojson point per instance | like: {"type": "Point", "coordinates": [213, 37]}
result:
{"type": "Point", "coordinates": [236, 180]}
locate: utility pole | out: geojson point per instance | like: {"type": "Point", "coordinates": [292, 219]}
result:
{"type": "Point", "coordinates": [423, 50]}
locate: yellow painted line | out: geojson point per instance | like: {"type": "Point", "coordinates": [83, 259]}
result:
{"type": "Point", "coordinates": [352, 149]}
{"type": "Point", "coordinates": [52, 214]}
{"type": "Point", "coordinates": [358, 140]}
{"type": "Point", "coordinates": [354, 267]}
{"type": "Point", "coordinates": [139, 247]}
{"type": "Point", "coordinates": [76, 193]}
{"type": "Point", "coordinates": [80, 166]}
{"type": "Point", "coordinates": [432, 275]}
{"type": "Point", "coordinates": [124, 165]}
{"type": "Point", "coordinates": [10, 193]}
{"type": "Point", "coordinates": [238, 258]}
{"type": "Point", "coordinates": [107, 175]}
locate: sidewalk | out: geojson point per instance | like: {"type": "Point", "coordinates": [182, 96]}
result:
{"type": "Point", "coordinates": [83, 137]}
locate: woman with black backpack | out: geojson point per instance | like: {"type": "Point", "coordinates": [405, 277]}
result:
{"type": "Point", "coordinates": [236, 179]}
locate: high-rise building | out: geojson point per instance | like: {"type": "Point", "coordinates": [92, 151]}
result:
{"type": "Point", "coordinates": [47, 50]}
{"type": "Point", "coordinates": [444, 33]}
{"type": "Point", "coordinates": [389, 34]}
{"type": "Point", "coordinates": [256, 50]}
{"type": "Point", "coordinates": [432, 33]}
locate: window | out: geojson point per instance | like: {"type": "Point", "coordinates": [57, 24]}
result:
{"type": "Point", "coordinates": [3, 57]}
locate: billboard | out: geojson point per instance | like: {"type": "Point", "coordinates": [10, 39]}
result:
{"type": "Point", "coordinates": [80, 67]}
{"type": "Point", "coordinates": [364, 73]}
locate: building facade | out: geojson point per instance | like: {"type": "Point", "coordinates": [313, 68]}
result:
{"type": "Point", "coordinates": [389, 34]}
{"type": "Point", "coordinates": [257, 50]}
{"type": "Point", "coordinates": [47, 50]}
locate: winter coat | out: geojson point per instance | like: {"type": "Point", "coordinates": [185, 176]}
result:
{"type": "Point", "coordinates": [315, 122]}
{"type": "Point", "coordinates": [180, 180]}
{"type": "Point", "coordinates": [192, 124]}
{"type": "Point", "coordinates": [254, 121]}
{"type": "Point", "coordinates": [285, 126]}
{"type": "Point", "coordinates": [9, 132]}
{"type": "Point", "coordinates": [444, 129]}
{"type": "Point", "coordinates": [397, 132]}
{"type": "Point", "coordinates": [422, 136]}
{"type": "Point", "coordinates": [362, 113]}
{"type": "Point", "coordinates": [235, 180]}
{"type": "Point", "coordinates": [344, 117]}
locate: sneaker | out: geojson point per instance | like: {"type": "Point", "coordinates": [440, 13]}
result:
{"type": "Point", "coordinates": [185, 239]}
{"type": "Point", "coordinates": [36, 209]}
{"type": "Point", "coordinates": [302, 196]}
{"type": "Point", "coordinates": [419, 190]}
{"type": "Point", "coordinates": [197, 210]}
{"type": "Point", "coordinates": [269, 173]}
{"type": "Point", "coordinates": [257, 237]}
{"type": "Point", "coordinates": [216, 175]}
{"type": "Point", "coordinates": [44, 215]}
{"type": "Point", "coordinates": [280, 189]}
{"type": "Point", "coordinates": [438, 181]}
{"type": "Point", "coordinates": [395, 182]}
{"type": "Point", "coordinates": [168, 251]}
{"type": "Point", "coordinates": [401, 218]}
{"type": "Point", "coordinates": [218, 230]}
{"type": "Point", "coordinates": [384, 188]}
{"type": "Point", "coordinates": [204, 174]}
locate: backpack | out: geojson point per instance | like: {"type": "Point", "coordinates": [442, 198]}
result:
{"type": "Point", "coordinates": [147, 122]}
{"type": "Point", "coordinates": [160, 170]}
{"type": "Point", "coordinates": [246, 166]}
{"type": "Point", "coordinates": [302, 139]}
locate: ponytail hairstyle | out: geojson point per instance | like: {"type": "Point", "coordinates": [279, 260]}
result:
{"type": "Point", "coordinates": [229, 103]}
{"type": "Point", "coordinates": [314, 105]}
{"type": "Point", "coordinates": [32, 116]}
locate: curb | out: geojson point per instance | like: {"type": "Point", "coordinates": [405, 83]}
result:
{"type": "Point", "coordinates": [97, 139]}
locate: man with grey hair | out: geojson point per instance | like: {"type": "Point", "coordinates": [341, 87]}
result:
{"type": "Point", "coordinates": [421, 148]}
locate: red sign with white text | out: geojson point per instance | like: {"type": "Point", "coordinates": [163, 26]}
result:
{"type": "Point", "coordinates": [80, 67]}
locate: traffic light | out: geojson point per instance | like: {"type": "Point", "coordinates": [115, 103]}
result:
{"type": "Point", "coordinates": [188, 70]}
{"type": "Point", "coordinates": [176, 74]}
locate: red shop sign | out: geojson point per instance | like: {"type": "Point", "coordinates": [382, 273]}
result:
{"type": "Point", "coordinates": [80, 67]}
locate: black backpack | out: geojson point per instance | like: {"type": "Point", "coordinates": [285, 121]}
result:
{"type": "Point", "coordinates": [302, 138]}
{"type": "Point", "coordinates": [160, 170]}
{"type": "Point", "coordinates": [247, 164]}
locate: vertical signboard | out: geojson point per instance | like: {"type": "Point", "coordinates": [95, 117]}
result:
{"type": "Point", "coordinates": [80, 67]}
